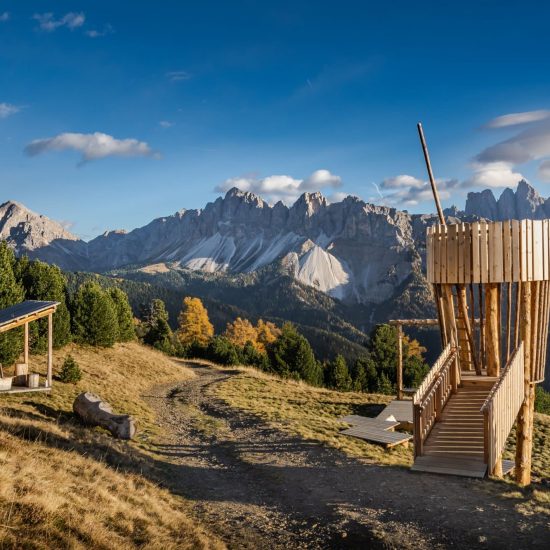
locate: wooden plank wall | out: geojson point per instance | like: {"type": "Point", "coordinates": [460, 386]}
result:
{"type": "Point", "coordinates": [494, 252]}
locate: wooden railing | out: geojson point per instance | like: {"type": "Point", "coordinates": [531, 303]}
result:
{"type": "Point", "coordinates": [502, 406]}
{"type": "Point", "coordinates": [433, 394]}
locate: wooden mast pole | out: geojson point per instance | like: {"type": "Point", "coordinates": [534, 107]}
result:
{"type": "Point", "coordinates": [447, 294]}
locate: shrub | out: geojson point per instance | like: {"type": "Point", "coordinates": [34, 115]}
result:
{"type": "Point", "coordinates": [542, 400]}
{"type": "Point", "coordinates": [70, 371]}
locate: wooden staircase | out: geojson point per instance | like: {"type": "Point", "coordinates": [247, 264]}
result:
{"type": "Point", "coordinates": [455, 444]}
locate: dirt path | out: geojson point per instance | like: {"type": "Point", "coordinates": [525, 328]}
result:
{"type": "Point", "coordinates": [257, 487]}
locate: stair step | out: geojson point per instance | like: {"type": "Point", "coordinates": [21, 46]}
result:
{"type": "Point", "coordinates": [450, 465]}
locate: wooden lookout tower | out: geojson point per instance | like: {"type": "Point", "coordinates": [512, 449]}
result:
{"type": "Point", "coordinates": [491, 282]}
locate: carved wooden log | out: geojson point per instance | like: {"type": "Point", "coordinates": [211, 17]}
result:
{"type": "Point", "coordinates": [93, 410]}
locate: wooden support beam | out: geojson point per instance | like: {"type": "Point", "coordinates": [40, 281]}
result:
{"type": "Point", "coordinates": [492, 329]}
{"type": "Point", "coordinates": [26, 344]}
{"type": "Point", "coordinates": [524, 428]}
{"type": "Point", "coordinates": [463, 308]}
{"type": "Point", "coordinates": [50, 351]}
{"type": "Point", "coordinates": [400, 362]}
{"type": "Point", "coordinates": [27, 319]}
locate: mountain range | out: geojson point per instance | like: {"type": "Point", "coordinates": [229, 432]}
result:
{"type": "Point", "coordinates": [338, 267]}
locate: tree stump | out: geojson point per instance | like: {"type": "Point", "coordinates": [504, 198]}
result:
{"type": "Point", "coordinates": [94, 411]}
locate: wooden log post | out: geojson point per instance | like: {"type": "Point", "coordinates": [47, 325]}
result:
{"type": "Point", "coordinates": [463, 309]}
{"type": "Point", "coordinates": [26, 344]}
{"type": "Point", "coordinates": [400, 361]}
{"type": "Point", "coordinates": [50, 351]}
{"type": "Point", "coordinates": [524, 431]}
{"type": "Point", "coordinates": [492, 335]}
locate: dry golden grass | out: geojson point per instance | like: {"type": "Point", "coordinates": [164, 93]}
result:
{"type": "Point", "coordinates": [56, 490]}
{"type": "Point", "coordinates": [309, 412]}
{"type": "Point", "coordinates": [121, 375]}
{"type": "Point", "coordinates": [313, 413]}
{"type": "Point", "coordinates": [53, 498]}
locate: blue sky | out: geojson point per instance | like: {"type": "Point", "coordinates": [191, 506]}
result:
{"type": "Point", "coordinates": [113, 113]}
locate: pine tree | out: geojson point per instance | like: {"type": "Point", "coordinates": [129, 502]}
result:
{"type": "Point", "coordinates": [157, 330]}
{"type": "Point", "coordinates": [11, 293]}
{"type": "Point", "coordinates": [291, 356]}
{"type": "Point", "coordinates": [94, 318]}
{"type": "Point", "coordinates": [125, 317]}
{"type": "Point", "coordinates": [194, 325]}
{"type": "Point", "coordinates": [241, 331]}
{"type": "Point", "coordinates": [45, 282]}
{"type": "Point", "coordinates": [384, 385]}
{"type": "Point", "coordinates": [339, 377]}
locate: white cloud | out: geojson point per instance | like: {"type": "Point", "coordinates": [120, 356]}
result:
{"type": "Point", "coordinates": [166, 124]}
{"type": "Point", "coordinates": [92, 146]}
{"type": "Point", "coordinates": [494, 175]}
{"type": "Point", "coordinates": [339, 196]}
{"type": "Point", "coordinates": [514, 119]}
{"type": "Point", "coordinates": [70, 20]}
{"type": "Point", "coordinates": [409, 191]}
{"type": "Point", "coordinates": [7, 109]}
{"type": "Point", "coordinates": [544, 171]}
{"type": "Point", "coordinates": [282, 187]}
{"type": "Point", "coordinates": [177, 76]}
{"type": "Point", "coordinates": [4, 17]}
{"type": "Point", "coordinates": [94, 33]}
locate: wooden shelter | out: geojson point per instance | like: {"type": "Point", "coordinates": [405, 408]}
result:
{"type": "Point", "coordinates": [485, 378]}
{"type": "Point", "coordinates": [21, 315]}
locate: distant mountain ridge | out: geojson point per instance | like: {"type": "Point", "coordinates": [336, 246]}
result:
{"type": "Point", "coordinates": [351, 250]}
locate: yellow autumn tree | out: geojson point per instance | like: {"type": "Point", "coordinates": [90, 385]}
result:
{"type": "Point", "coordinates": [241, 331]}
{"type": "Point", "coordinates": [194, 324]}
{"type": "Point", "coordinates": [413, 347]}
{"type": "Point", "coordinates": [267, 333]}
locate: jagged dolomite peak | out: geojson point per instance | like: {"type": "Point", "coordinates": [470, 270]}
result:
{"type": "Point", "coordinates": [352, 250]}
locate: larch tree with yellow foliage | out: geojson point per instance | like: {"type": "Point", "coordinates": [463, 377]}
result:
{"type": "Point", "coordinates": [267, 333]}
{"type": "Point", "coordinates": [194, 325]}
{"type": "Point", "coordinates": [241, 331]}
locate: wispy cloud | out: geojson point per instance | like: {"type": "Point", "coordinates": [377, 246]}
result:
{"type": "Point", "coordinates": [166, 124]}
{"type": "Point", "coordinates": [282, 187]}
{"type": "Point", "coordinates": [514, 119]}
{"type": "Point", "coordinates": [7, 109]}
{"type": "Point", "coordinates": [91, 146]}
{"type": "Point", "coordinates": [177, 76]}
{"type": "Point", "coordinates": [48, 23]}
{"type": "Point", "coordinates": [94, 33]}
{"type": "Point", "coordinates": [5, 16]}
{"type": "Point", "coordinates": [408, 190]}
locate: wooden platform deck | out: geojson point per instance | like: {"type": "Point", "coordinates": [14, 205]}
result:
{"type": "Point", "coordinates": [375, 434]}
{"type": "Point", "coordinates": [24, 389]}
{"type": "Point", "coordinates": [450, 465]}
{"type": "Point", "coordinates": [399, 410]}
{"type": "Point", "coordinates": [356, 420]}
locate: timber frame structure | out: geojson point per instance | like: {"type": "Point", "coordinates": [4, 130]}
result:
{"type": "Point", "coordinates": [21, 315]}
{"type": "Point", "coordinates": [484, 381]}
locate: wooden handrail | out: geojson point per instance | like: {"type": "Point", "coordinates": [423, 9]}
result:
{"type": "Point", "coordinates": [432, 395]}
{"type": "Point", "coordinates": [501, 408]}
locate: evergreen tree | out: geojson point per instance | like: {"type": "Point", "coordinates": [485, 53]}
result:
{"type": "Point", "coordinates": [222, 351]}
{"type": "Point", "coordinates": [94, 318]}
{"type": "Point", "coordinates": [194, 325]}
{"type": "Point", "coordinates": [338, 374]}
{"type": "Point", "coordinates": [125, 317]}
{"type": "Point", "coordinates": [291, 356]}
{"type": "Point", "coordinates": [157, 330]}
{"type": "Point", "coordinates": [45, 282]}
{"type": "Point", "coordinates": [384, 385]}
{"type": "Point", "coordinates": [11, 293]}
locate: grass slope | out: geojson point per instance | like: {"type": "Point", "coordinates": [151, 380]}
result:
{"type": "Point", "coordinates": [58, 486]}
{"type": "Point", "coordinates": [313, 414]}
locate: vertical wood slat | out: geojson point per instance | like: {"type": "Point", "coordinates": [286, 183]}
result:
{"type": "Point", "coordinates": [496, 251]}
{"type": "Point", "coordinates": [461, 246]}
{"type": "Point", "coordinates": [483, 253]}
{"type": "Point", "coordinates": [545, 249]}
{"type": "Point", "coordinates": [507, 251]}
{"type": "Point", "coordinates": [516, 259]}
{"type": "Point", "coordinates": [529, 255]}
{"type": "Point", "coordinates": [523, 250]}
{"type": "Point", "coordinates": [452, 253]}
{"type": "Point", "coordinates": [476, 278]}
{"type": "Point", "coordinates": [467, 253]}
{"type": "Point", "coordinates": [437, 254]}
{"type": "Point", "coordinates": [538, 257]}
